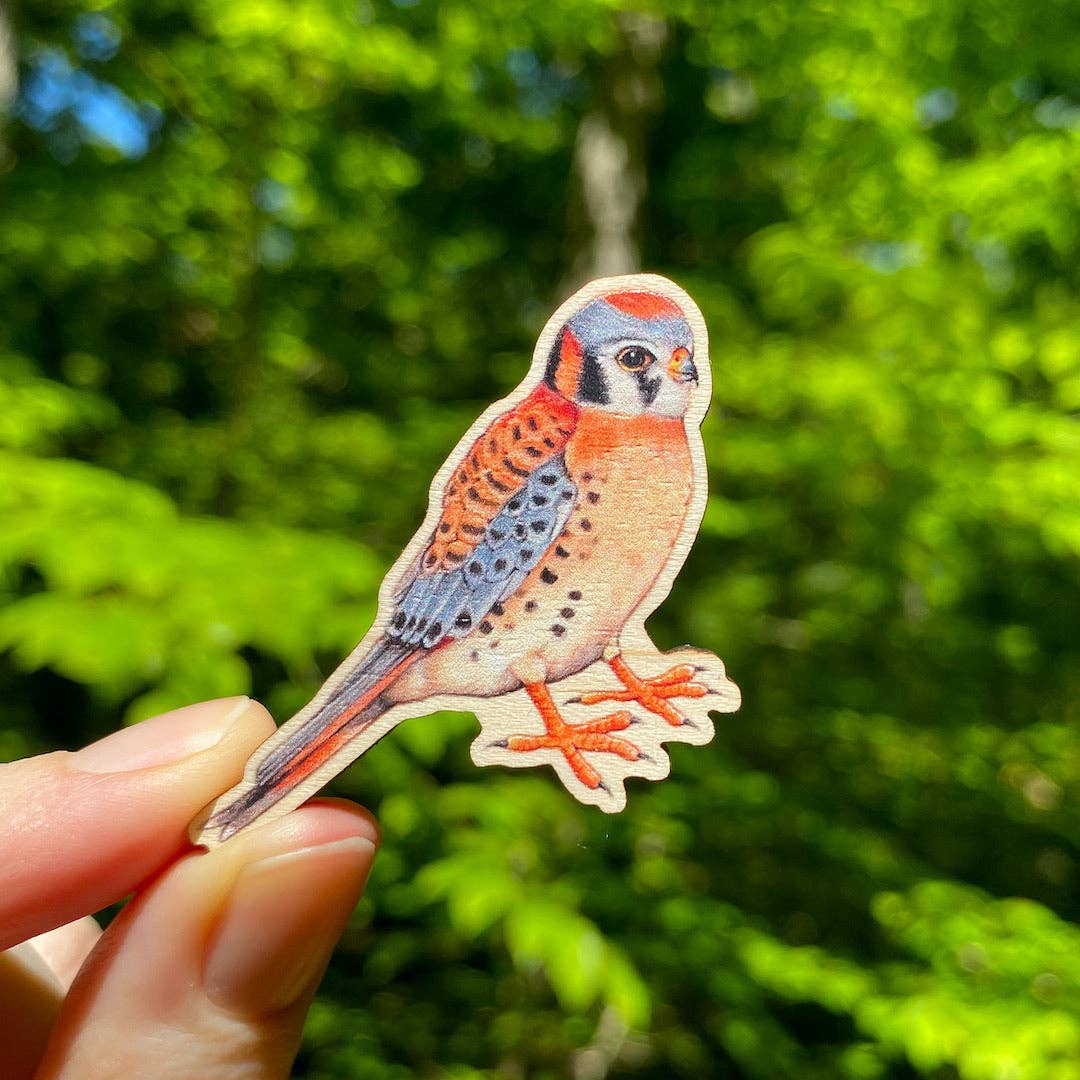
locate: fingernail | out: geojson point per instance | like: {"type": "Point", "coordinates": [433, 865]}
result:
{"type": "Point", "coordinates": [280, 924]}
{"type": "Point", "coordinates": [162, 740]}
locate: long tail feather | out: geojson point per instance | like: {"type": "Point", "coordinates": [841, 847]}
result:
{"type": "Point", "coordinates": [356, 704]}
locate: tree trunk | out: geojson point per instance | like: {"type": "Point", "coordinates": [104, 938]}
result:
{"type": "Point", "coordinates": [9, 81]}
{"type": "Point", "coordinates": [609, 153]}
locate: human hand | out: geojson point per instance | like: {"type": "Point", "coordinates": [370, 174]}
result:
{"type": "Point", "coordinates": [210, 969]}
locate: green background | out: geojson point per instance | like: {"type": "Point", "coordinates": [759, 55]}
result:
{"type": "Point", "coordinates": [262, 262]}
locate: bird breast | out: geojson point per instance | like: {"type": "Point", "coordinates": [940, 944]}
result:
{"type": "Point", "coordinates": [634, 479]}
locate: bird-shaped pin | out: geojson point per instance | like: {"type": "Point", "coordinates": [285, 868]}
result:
{"type": "Point", "coordinates": [554, 529]}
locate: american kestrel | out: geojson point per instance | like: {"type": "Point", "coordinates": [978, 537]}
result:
{"type": "Point", "coordinates": [556, 526]}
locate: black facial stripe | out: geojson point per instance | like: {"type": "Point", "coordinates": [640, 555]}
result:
{"type": "Point", "coordinates": [553, 360]}
{"type": "Point", "coordinates": [648, 388]}
{"type": "Point", "coordinates": [592, 387]}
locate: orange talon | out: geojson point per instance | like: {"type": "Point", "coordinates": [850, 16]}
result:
{"type": "Point", "coordinates": [677, 674]}
{"type": "Point", "coordinates": [572, 739]}
{"type": "Point", "coordinates": [653, 693]}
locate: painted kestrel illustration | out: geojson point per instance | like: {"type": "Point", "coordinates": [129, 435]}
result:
{"type": "Point", "coordinates": [554, 529]}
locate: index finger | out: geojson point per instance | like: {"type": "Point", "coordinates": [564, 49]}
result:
{"type": "Point", "coordinates": [79, 831]}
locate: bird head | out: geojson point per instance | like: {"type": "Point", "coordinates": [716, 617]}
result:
{"type": "Point", "coordinates": [626, 352]}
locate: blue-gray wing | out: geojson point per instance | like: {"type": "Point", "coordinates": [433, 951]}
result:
{"type": "Point", "coordinates": [449, 603]}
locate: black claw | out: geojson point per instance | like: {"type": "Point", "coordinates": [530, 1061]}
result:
{"type": "Point", "coordinates": [642, 756]}
{"type": "Point", "coordinates": [502, 743]}
{"type": "Point", "coordinates": [601, 784]}
{"type": "Point", "coordinates": [572, 701]}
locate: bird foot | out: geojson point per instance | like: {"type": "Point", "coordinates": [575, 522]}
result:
{"type": "Point", "coordinates": [654, 693]}
{"type": "Point", "coordinates": [572, 740]}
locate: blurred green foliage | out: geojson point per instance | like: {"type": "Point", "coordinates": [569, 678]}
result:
{"type": "Point", "coordinates": [261, 263]}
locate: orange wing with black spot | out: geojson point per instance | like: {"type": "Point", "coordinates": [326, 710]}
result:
{"type": "Point", "coordinates": [505, 505]}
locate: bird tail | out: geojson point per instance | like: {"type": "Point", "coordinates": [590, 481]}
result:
{"type": "Point", "coordinates": [352, 707]}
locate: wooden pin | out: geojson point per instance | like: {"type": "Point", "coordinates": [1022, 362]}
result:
{"type": "Point", "coordinates": [554, 529]}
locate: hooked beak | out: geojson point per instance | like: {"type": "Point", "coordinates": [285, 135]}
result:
{"type": "Point", "coordinates": [681, 366]}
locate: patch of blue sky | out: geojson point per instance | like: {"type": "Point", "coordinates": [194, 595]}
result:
{"type": "Point", "coordinates": [54, 90]}
{"type": "Point", "coordinates": [96, 37]}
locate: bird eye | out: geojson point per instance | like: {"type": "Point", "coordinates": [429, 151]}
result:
{"type": "Point", "coordinates": [634, 358]}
